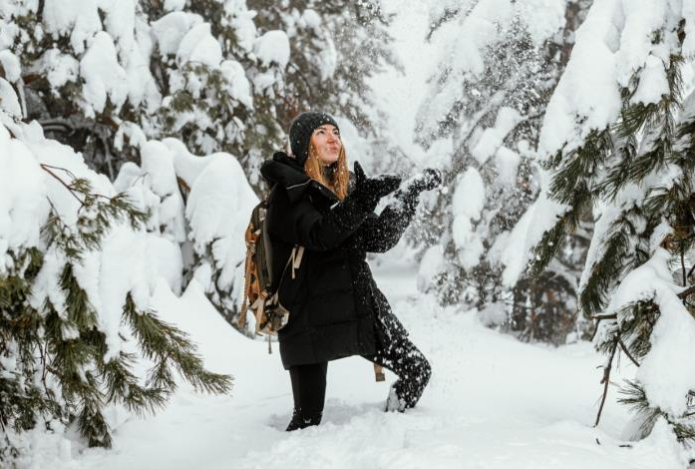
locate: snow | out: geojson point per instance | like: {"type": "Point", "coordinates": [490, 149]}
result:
{"type": "Point", "coordinates": [79, 18]}
{"type": "Point", "coordinates": [431, 264]}
{"type": "Point", "coordinates": [588, 89]}
{"type": "Point", "coordinates": [199, 46]}
{"type": "Point", "coordinates": [672, 337]}
{"type": "Point", "coordinates": [9, 102]}
{"type": "Point", "coordinates": [311, 19]}
{"type": "Point", "coordinates": [507, 164]}
{"type": "Point", "coordinates": [103, 75]}
{"type": "Point", "coordinates": [170, 29]}
{"type": "Point", "coordinates": [174, 5]}
{"type": "Point", "coordinates": [552, 20]}
{"type": "Point", "coordinates": [653, 82]}
{"type": "Point", "coordinates": [239, 86]}
{"type": "Point", "coordinates": [10, 64]}
{"type": "Point", "coordinates": [23, 197]}
{"type": "Point", "coordinates": [119, 16]}
{"type": "Point", "coordinates": [492, 402]}
{"type": "Point", "coordinates": [273, 47]}
{"type": "Point", "coordinates": [61, 68]}
{"type": "Point", "coordinates": [242, 22]}
{"type": "Point", "coordinates": [467, 204]}
{"type": "Point", "coordinates": [218, 210]}
{"type": "Point", "coordinates": [492, 137]}
{"type": "Point", "coordinates": [540, 217]}
{"type": "Point", "coordinates": [689, 15]}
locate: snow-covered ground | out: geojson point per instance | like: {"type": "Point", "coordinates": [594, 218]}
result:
{"type": "Point", "coordinates": [492, 403]}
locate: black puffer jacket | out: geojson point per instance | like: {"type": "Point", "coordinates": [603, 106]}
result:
{"type": "Point", "coordinates": [333, 299]}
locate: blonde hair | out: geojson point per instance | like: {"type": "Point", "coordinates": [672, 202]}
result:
{"type": "Point", "coordinates": [314, 169]}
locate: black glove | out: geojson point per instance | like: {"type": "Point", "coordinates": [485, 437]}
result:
{"type": "Point", "coordinates": [370, 190]}
{"type": "Point", "coordinates": [425, 181]}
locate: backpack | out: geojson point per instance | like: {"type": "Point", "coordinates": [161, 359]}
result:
{"type": "Point", "coordinates": [260, 295]}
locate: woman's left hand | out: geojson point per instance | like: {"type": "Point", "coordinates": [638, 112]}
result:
{"type": "Point", "coordinates": [427, 180]}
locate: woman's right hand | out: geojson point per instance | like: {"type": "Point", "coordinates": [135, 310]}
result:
{"type": "Point", "coordinates": [370, 190]}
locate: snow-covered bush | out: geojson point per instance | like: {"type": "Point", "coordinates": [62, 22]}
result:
{"type": "Point", "coordinates": [619, 138]}
{"type": "Point", "coordinates": [207, 229]}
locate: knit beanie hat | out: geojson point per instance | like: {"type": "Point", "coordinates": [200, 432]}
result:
{"type": "Point", "coordinates": [301, 129]}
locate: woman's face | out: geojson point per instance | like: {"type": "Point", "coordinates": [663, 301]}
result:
{"type": "Point", "coordinates": [326, 141]}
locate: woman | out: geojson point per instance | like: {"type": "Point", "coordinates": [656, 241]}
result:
{"type": "Point", "coordinates": [336, 309]}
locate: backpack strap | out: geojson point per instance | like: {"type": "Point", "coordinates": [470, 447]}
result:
{"type": "Point", "coordinates": [251, 238]}
{"type": "Point", "coordinates": [296, 258]}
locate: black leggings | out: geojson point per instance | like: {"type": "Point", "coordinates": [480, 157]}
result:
{"type": "Point", "coordinates": [309, 393]}
{"type": "Point", "coordinates": [394, 351]}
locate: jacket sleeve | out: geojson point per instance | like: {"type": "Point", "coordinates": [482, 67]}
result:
{"type": "Point", "coordinates": [304, 225]}
{"type": "Point", "coordinates": [381, 233]}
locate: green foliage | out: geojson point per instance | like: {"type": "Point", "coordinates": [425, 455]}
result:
{"type": "Point", "coordinates": [163, 343]}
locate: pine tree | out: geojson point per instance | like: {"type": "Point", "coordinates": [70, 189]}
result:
{"type": "Point", "coordinates": [206, 72]}
{"type": "Point", "coordinates": [636, 167]}
{"type": "Point", "coordinates": [59, 360]}
{"type": "Point", "coordinates": [488, 104]}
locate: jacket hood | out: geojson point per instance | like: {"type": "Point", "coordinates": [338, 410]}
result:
{"type": "Point", "coordinates": [288, 173]}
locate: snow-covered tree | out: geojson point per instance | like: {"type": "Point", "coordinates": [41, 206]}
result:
{"type": "Point", "coordinates": [94, 70]}
{"type": "Point", "coordinates": [481, 120]}
{"type": "Point", "coordinates": [619, 138]}
{"type": "Point", "coordinates": [215, 74]}
{"type": "Point", "coordinates": [77, 272]}
{"type": "Point", "coordinates": [336, 47]}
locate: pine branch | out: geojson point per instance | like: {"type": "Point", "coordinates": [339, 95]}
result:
{"type": "Point", "coordinates": [606, 377]}
{"type": "Point", "coordinates": [122, 386]}
{"type": "Point", "coordinates": [618, 252]}
{"type": "Point", "coordinates": [48, 168]}
{"type": "Point", "coordinates": [627, 352]}
{"type": "Point", "coordinates": [633, 395]}
{"type": "Point", "coordinates": [162, 343]}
